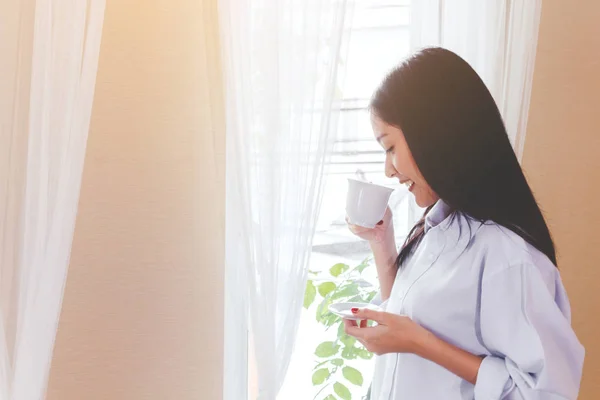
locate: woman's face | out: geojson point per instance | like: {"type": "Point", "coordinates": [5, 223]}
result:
{"type": "Point", "coordinates": [399, 162]}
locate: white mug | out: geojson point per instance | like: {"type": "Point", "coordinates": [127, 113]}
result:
{"type": "Point", "coordinates": [366, 202]}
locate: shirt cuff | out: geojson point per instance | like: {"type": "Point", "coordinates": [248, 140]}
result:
{"type": "Point", "coordinates": [493, 379]}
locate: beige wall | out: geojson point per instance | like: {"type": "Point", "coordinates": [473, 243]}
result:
{"type": "Point", "coordinates": [562, 159]}
{"type": "Point", "coordinates": [142, 315]}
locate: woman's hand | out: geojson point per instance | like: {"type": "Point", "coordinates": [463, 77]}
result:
{"type": "Point", "coordinates": [393, 334]}
{"type": "Point", "coordinates": [383, 231]}
{"type": "Point", "coordinates": [399, 334]}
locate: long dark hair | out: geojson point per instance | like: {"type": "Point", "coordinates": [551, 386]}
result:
{"type": "Point", "coordinates": [457, 137]}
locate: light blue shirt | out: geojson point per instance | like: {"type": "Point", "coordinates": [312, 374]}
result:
{"type": "Point", "coordinates": [484, 289]}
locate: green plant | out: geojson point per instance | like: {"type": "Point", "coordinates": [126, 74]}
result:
{"type": "Point", "coordinates": [336, 360]}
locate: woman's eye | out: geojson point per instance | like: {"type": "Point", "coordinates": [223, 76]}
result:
{"type": "Point", "coordinates": [390, 150]}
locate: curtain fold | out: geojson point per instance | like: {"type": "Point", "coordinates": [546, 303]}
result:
{"type": "Point", "coordinates": [50, 62]}
{"type": "Point", "coordinates": [497, 37]}
{"type": "Point", "coordinates": [282, 76]}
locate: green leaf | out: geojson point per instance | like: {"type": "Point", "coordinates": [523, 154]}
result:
{"type": "Point", "coordinates": [309, 294]}
{"type": "Point", "coordinates": [350, 353]}
{"type": "Point", "coordinates": [371, 296]}
{"type": "Point", "coordinates": [327, 349]}
{"type": "Point", "coordinates": [363, 265]}
{"type": "Point", "coordinates": [348, 341]}
{"type": "Point", "coordinates": [356, 299]}
{"type": "Point", "coordinates": [342, 391]}
{"type": "Point", "coordinates": [364, 354]}
{"type": "Point", "coordinates": [330, 397]}
{"type": "Point", "coordinates": [338, 362]}
{"type": "Point", "coordinates": [345, 291]}
{"type": "Point", "coordinates": [338, 269]}
{"type": "Point", "coordinates": [320, 376]}
{"type": "Point", "coordinates": [323, 310]}
{"type": "Point", "coordinates": [353, 375]}
{"type": "Point", "coordinates": [326, 288]}
{"type": "Point", "coordinates": [341, 331]}
{"type": "Point", "coordinates": [330, 319]}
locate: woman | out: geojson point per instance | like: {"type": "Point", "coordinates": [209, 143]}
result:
{"type": "Point", "coordinates": [474, 304]}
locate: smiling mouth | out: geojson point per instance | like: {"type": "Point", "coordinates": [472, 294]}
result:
{"type": "Point", "coordinates": [409, 184]}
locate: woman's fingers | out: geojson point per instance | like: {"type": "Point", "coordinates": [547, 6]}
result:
{"type": "Point", "coordinates": [351, 328]}
{"type": "Point", "coordinates": [358, 230]}
{"type": "Point", "coordinates": [378, 316]}
{"type": "Point", "coordinates": [355, 324]}
{"type": "Point", "coordinates": [350, 323]}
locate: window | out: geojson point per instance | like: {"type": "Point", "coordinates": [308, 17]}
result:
{"type": "Point", "coordinates": [379, 41]}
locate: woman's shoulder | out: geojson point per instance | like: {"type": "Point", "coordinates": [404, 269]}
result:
{"type": "Point", "coordinates": [501, 249]}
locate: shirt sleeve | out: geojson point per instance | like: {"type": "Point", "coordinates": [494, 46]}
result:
{"type": "Point", "coordinates": [524, 322]}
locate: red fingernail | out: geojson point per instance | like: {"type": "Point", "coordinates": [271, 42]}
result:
{"type": "Point", "coordinates": [354, 310]}
{"type": "Point", "coordinates": [380, 223]}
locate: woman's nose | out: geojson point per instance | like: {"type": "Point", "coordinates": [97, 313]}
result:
{"type": "Point", "coordinates": [390, 171]}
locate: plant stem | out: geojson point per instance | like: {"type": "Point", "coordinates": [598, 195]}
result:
{"type": "Point", "coordinates": [320, 390]}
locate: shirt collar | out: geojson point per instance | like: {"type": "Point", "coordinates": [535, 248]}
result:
{"type": "Point", "coordinates": [438, 213]}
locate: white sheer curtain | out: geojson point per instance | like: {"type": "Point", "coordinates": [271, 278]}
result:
{"type": "Point", "coordinates": [47, 74]}
{"type": "Point", "coordinates": [497, 37]}
{"type": "Point", "coordinates": [282, 71]}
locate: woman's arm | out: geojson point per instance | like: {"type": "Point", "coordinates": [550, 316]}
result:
{"type": "Point", "coordinates": [383, 245]}
{"type": "Point", "coordinates": [525, 324]}
{"type": "Point", "coordinates": [454, 359]}
{"type": "Point", "coordinates": [385, 254]}
{"type": "Point", "coordinates": [536, 354]}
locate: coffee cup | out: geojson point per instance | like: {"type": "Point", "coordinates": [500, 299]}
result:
{"type": "Point", "coordinates": [366, 202]}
